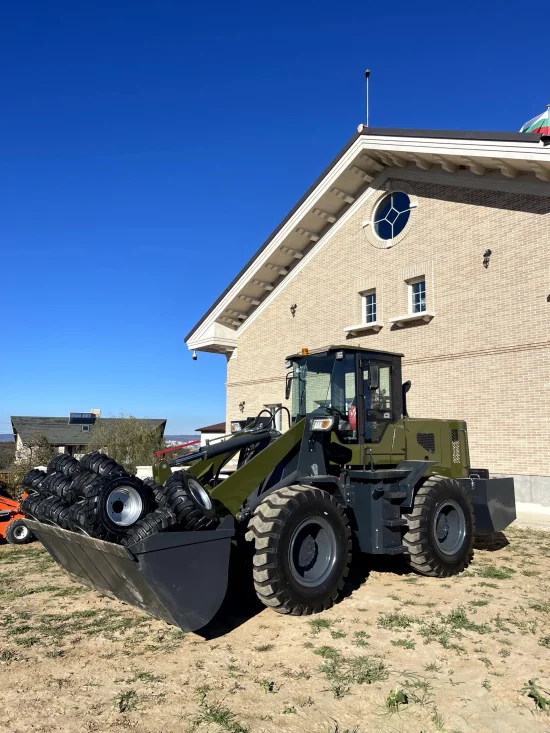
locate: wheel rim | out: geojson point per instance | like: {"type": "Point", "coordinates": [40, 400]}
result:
{"type": "Point", "coordinates": [21, 532]}
{"type": "Point", "coordinates": [312, 551]}
{"type": "Point", "coordinates": [449, 527]}
{"type": "Point", "coordinates": [199, 494]}
{"type": "Point", "coordinates": [124, 506]}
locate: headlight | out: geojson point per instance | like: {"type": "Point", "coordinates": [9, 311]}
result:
{"type": "Point", "coordinates": [321, 423]}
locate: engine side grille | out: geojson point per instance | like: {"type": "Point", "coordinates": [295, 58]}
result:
{"type": "Point", "coordinates": [455, 445]}
{"type": "Point", "coordinates": [427, 441]}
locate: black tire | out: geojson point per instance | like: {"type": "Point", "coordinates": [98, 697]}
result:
{"type": "Point", "coordinates": [440, 535]}
{"type": "Point", "coordinates": [302, 543]}
{"type": "Point", "coordinates": [17, 533]}
{"type": "Point", "coordinates": [85, 482]}
{"type": "Point", "coordinates": [189, 515]}
{"type": "Point", "coordinates": [83, 518]}
{"type": "Point", "coordinates": [102, 464]}
{"type": "Point", "coordinates": [117, 503]}
{"type": "Point", "coordinates": [65, 464]}
{"type": "Point", "coordinates": [158, 491]}
{"type": "Point", "coordinates": [33, 479]}
{"type": "Point", "coordinates": [59, 485]}
{"type": "Point", "coordinates": [29, 504]}
{"type": "Point", "coordinates": [158, 521]}
{"type": "Point", "coordinates": [55, 511]}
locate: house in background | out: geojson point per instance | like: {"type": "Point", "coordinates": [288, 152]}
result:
{"type": "Point", "coordinates": [69, 434]}
{"type": "Point", "coordinates": [435, 244]}
{"type": "Point", "coordinates": [211, 432]}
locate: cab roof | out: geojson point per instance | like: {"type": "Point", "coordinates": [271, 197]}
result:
{"type": "Point", "coordinates": [326, 349]}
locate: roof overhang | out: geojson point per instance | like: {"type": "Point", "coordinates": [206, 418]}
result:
{"type": "Point", "coordinates": [361, 165]}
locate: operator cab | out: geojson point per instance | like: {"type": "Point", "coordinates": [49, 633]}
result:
{"type": "Point", "coordinates": [358, 389]}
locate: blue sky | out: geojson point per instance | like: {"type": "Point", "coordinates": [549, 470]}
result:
{"type": "Point", "coordinates": [149, 148]}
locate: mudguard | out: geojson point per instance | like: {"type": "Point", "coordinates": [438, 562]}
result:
{"type": "Point", "coordinates": [179, 577]}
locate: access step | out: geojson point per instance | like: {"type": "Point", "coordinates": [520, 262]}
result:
{"type": "Point", "coordinates": [399, 550]}
{"type": "Point", "coordinates": [395, 522]}
{"type": "Point", "coordinates": [394, 494]}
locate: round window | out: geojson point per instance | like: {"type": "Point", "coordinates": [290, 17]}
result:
{"type": "Point", "coordinates": [391, 215]}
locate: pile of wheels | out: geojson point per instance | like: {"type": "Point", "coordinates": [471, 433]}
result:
{"type": "Point", "coordinates": [97, 497]}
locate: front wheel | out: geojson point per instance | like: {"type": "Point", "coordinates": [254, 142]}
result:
{"type": "Point", "coordinates": [440, 536]}
{"type": "Point", "coordinates": [302, 550]}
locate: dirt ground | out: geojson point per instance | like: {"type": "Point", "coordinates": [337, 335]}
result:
{"type": "Point", "coordinates": [399, 653]}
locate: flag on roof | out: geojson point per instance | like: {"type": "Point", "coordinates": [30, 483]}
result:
{"type": "Point", "coordinates": [540, 124]}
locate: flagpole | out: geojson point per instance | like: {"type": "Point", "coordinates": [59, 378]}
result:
{"type": "Point", "coordinates": [367, 74]}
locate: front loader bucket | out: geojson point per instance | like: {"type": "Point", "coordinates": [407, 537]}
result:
{"type": "Point", "coordinates": [179, 577]}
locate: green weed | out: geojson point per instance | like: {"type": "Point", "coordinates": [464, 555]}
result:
{"type": "Point", "coordinates": [494, 572]}
{"type": "Point", "coordinates": [338, 634]}
{"type": "Point", "coordinates": [395, 699]}
{"type": "Point", "coordinates": [126, 701]}
{"type": "Point", "coordinates": [316, 624]}
{"type": "Point", "coordinates": [342, 672]}
{"type": "Point", "coordinates": [545, 641]}
{"type": "Point", "coordinates": [405, 643]}
{"type": "Point", "coordinates": [395, 621]}
{"type": "Point", "coordinates": [264, 647]}
{"type": "Point", "coordinates": [542, 703]}
{"type": "Point", "coordinates": [360, 638]}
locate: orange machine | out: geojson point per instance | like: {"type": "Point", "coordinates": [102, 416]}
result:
{"type": "Point", "coordinates": [12, 525]}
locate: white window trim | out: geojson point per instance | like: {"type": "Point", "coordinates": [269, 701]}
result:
{"type": "Point", "coordinates": [410, 317]}
{"type": "Point", "coordinates": [362, 327]}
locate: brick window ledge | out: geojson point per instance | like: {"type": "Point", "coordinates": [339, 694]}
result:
{"type": "Point", "coordinates": [362, 327]}
{"type": "Point", "coordinates": [411, 317]}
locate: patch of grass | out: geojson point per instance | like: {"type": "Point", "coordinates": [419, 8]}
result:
{"type": "Point", "coordinates": [126, 701]}
{"type": "Point", "coordinates": [432, 667]}
{"type": "Point", "coordinates": [540, 606]}
{"type": "Point", "coordinates": [264, 647]}
{"type": "Point", "coordinates": [545, 641]}
{"type": "Point", "coordinates": [55, 654]}
{"type": "Point", "coordinates": [458, 619]}
{"type": "Point", "coordinates": [530, 573]}
{"type": "Point", "coordinates": [316, 624]}
{"type": "Point", "coordinates": [486, 661]}
{"type": "Point", "coordinates": [147, 677]}
{"type": "Point", "coordinates": [483, 584]}
{"type": "Point", "coordinates": [289, 711]}
{"type": "Point", "coordinates": [8, 656]}
{"type": "Point", "coordinates": [477, 604]}
{"type": "Point", "coordinates": [504, 652]}
{"type": "Point", "coordinates": [217, 713]}
{"type": "Point", "coordinates": [532, 690]}
{"type": "Point", "coordinates": [27, 641]}
{"type": "Point", "coordinates": [343, 672]}
{"type": "Point", "coordinates": [360, 638]}
{"type": "Point", "coordinates": [338, 634]}
{"type": "Point", "coordinates": [487, 685]}
{"type": "Point", "coordinates": [437, 720]}
{"type": "Point", "coordinates": [327, 652]}
{"type": "Point", "coordinates": [494, 572]}
{"type": "Point", "coordinates": [405, 643]}
{"type": "Point", "coordinates": [395, 621]}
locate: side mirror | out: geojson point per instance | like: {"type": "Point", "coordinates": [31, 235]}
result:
{"type": "Point", "coordinates": [374, 376]}
{"type": "Point", "coordinates": [288, 385]}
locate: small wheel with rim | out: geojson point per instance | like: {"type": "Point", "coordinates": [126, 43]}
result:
{"type": "Point", "coordinates": [17, 533]}
{"type": "Point", "coordinates": [440, 535]}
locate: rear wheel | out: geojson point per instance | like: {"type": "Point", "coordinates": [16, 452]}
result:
{"type": "Point", "coordinates": [302, 550]}
{"type": "Point", "coordinates": [17, 533]}
{"type": "Point", "coordinates": [440, 536]}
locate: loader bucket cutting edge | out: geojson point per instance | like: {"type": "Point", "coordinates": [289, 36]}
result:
{"type": "Point", "coordinates": [178, 577]}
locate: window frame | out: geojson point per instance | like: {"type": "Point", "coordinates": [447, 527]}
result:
{"type": "Point", "coordinates": [410, 285]}
{"type": "Point", "coordinates": [365, 296]}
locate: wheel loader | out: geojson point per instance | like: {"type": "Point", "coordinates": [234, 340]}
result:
{"type": "Point", "coordinates": [353, 473]}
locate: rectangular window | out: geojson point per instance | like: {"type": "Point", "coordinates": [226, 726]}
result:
{"type": "Point", "coordinates": [417, 289]}
{"type": "Point", "coordinates": [369, 304]}
{"type": "Point", "coordinates": [85, 428]}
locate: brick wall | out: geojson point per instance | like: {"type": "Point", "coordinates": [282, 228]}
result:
{"type": "Point", "coordinates": [485, 355]}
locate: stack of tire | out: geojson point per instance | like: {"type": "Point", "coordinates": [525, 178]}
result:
{"type": "Point", "coordinates": [97, 497]}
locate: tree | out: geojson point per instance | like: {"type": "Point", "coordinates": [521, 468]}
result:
{"type": "Point", "coordinates": [36, 451]}
{"type": "Point", "coordinates": [127, 439]}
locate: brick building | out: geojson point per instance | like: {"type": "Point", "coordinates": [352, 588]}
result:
{"type": "Point", "coordinates": [434, 244]}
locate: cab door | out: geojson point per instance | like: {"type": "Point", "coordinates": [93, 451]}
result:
{"type": "Point", "coordinates": [382, 430]}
